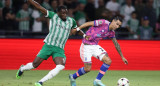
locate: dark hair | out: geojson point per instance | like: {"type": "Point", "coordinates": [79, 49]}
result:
{"type": "Point", "coordinates": [134, 12]}
{"type": "Point", "coordinates": [61, 7]}
{"type": "Point", "coordinates": [118, 18]}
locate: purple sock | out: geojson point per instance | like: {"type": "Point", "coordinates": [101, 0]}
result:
{"type": "Point", "coordinates": [79, 73]}
{"type": "Point", "coordinates": [102, 71]}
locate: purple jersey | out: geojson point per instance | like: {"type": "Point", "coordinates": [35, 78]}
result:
{"type": "Point", "coordinates": [99, 31]}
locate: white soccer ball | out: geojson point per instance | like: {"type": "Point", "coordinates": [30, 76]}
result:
{"type": "Point", "coordinates": [123, 82]}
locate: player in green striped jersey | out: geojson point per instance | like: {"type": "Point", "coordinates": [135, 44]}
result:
{"type": "Point", "coordinates": [60, 27]}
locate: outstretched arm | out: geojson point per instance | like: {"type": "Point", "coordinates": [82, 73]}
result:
{"type": "Point", "coordinates": [87, 24]}
{"type": "Point", "coordinates": [119, 50]}
{"type": "Point", "coordinates": [38, 6]}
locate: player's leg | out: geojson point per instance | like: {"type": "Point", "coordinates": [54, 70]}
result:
{"type": "Point", "coordinates": [85, 54]}
{"type": "Point", "coordinates": [59, 59]}
{"type": "Point", "coordinates": [60, 65]}
{"type": "Point", "coordinates": [106, 64]}
{"type": "Point", "coordinates": [43, 54]}
{"type": "Point", "coordinates": [37, 61]}
{"type": "Point", "coordinates": [102, 55]}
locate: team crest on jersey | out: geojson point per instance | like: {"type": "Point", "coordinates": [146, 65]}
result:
{"type": "Point", "coordinates": [100, 22]}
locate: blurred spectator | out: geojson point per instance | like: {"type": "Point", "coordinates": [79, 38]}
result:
{"type": "Point", "coordinates": [83, 1]}
{"type": "Point", "coordinates": [133, 26]}
{"type": "Point", "coordinates": [1, 5]}
{"type": "Point", "coordinates": [113, 6]}
{"type": "Point", "coordinates": [60, 2]}
{"type": "Point", "coordinates": [8, 17]}
{"type": "Point", "coordinates": [126, 11]}
{"type": "Point", "coordinates": [157, 30]}
{"type": "Point", "coordinates": [101, 11]}
{"type": "Point", "coordinates": [17, 4]}
{"type": "Point", "coordinates": [96, 4]}
{"type": "Point", "coordinates": [54, 5]}
{"type": "Point", "coordinates": [23, 18]}
{"type": "Point", "coordinates": [37, 24]}
{"type": "Point", "coordinates": [70, 12]}
{"type": "Point", "coordinates": [151, 13]}
{"type": "Point", "coordinates": [90, 10]}
{"type": "Point", "coordinates": [156, 5]}
{"type": "Point", "coordinates": [4, 1]}
{"type": "Point", "coordinates": [70, 3]}
{"type": "Point", "coordinates": [145, 31]}
{"type": "Point", "coordinates": [79, 15]}
{"type": "Point", "coordinates": [121, 2]}
{"type": "Point", "coordinates": [46, 4]}
{"type": "Point", "coordinates": [139, 6]}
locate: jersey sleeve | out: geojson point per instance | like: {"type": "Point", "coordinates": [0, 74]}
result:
{"type": "Point", "coordinates": [100, 22]}
{"type": "Point", "coordinates": [50, 14]}
{"type": "Point", "coordinates": [74, 24]}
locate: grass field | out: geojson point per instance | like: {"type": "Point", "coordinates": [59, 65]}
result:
{"type": "Point", "coordinates": [136, 78]}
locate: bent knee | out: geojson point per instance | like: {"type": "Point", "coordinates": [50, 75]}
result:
{"type": "Point", "coordinates": [107, 60]}
{"type": "Point", "coordinates": [87, 69]}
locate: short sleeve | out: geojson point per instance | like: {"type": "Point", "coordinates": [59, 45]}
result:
{"type": "Point", "coordinates": [50, 14]}
{"type": "Point", "coordinates": [100, 22]}
{"type": "Point", "coordinates": [74, 24]}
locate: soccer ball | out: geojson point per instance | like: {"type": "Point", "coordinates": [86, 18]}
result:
{"type": "Point", "coordinates": [123, 82]}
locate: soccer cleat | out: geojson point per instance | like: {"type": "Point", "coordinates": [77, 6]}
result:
{"type": "Point", "coordinates": [72, 80]}
{"type": "Point", "coordinates": [38, 84]}
{"type": "Point", "coordinates": [98, 83]}
{"type": "Point", "coordinates": [19, 73]}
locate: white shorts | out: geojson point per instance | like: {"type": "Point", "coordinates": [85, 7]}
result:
{"type": "Point", "coordinates": [87, 51]}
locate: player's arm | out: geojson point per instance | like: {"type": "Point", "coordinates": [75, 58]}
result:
{"type": "Point", "coordinates": [116, 44]}
{"type": "Point", "coordinates": [87, 24]}
{"type": "Point", "coordinates": [38, 6]}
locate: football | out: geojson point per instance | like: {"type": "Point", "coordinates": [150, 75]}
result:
{"type": "Point", "coordinates": [123, 82]}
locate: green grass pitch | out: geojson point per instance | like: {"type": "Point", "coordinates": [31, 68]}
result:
{"type": "Point", "coordinates": [136, 78]}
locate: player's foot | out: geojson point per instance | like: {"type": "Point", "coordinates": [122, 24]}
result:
{"type": "Point", "coordinates": [19, 73]}
{"type": "Point", "coordinates": [38, 84]}
{"type": "Point", "coordinates": [98, 83]}
{"type": "Point", "coordinates": [72, 80]}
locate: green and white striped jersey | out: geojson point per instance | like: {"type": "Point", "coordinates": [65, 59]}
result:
{"type": "Point", "coordinates": [59, 30]}
{"type": "Point", "coordinates": [23, 25]}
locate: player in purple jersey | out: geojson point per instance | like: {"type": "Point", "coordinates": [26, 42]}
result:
{"type": "Point", "coordinates": [99, 29]}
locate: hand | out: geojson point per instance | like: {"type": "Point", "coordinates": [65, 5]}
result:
{"type": "Point", "coordinates": [125, 60]}
{"type": "Point", "coordinates": [87, 37]}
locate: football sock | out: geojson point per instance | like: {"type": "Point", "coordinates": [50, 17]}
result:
{"type": "Point", "coordinates": [28, 66]}
{"type": "Point", "coordinates": [52, 73]}
{"type": "Point", "coordinates": [102, 71]}
{"type": "Point", "coordinates": [41, 83]}
{"type": "Point", "coordinates": [79, 73]}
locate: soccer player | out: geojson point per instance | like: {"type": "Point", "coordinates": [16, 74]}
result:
{"type": "Point", "coordinates": [60, 27]}
{"type": "Point", "coordinates": [99, 29]}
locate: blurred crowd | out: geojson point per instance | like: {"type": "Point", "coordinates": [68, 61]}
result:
{"type": "Point", "coordinates": [141, 18]}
